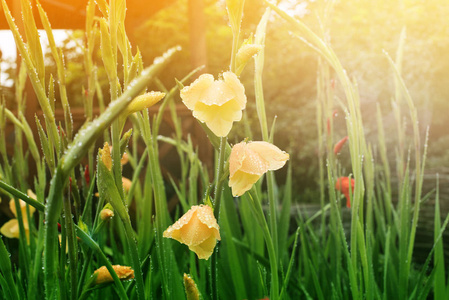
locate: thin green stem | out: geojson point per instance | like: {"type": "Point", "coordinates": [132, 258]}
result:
{"type": "Point", "coordinates": [71, 247]}
{"type": "Point", "coordinates": [218, 177]}
{"type": "Point", "coordinates": [217, 203]}
{"type": "Point", "coordinates": [255, 201]}
{"type": "Point", "coordinates": [16, 193]}
{"type": "Point", "coordinates": [235, 44]}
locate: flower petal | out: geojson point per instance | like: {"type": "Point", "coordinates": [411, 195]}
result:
{"type": "Point", "coordinates": [218, 119]}
{"type": "Point", "coordinates": [205, 249]}
{"type": "Point", "coordinates": [241, 182]}
{"type": "Point", "coordinates": [272, 155]}
{"type": "Point", "coordinates": [190, 95]}
{"type": "Point", "coordinates": [206, 215]}
{"type": "Point", "coordinates": [195, 232]}
{"type": "Point", "coordinates": [174, 231]}
{"type": "Point", "coordinates": [236, 158]}
{"type": "Point", "coordinates": [10, 229]}
{"type": "Point", "coordinates": [253, 163]}
{"type": "Point", "coordinates": [232, 82]}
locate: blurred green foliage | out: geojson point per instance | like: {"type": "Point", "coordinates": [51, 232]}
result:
{"type": "Point", "coordinates": [359, 31]}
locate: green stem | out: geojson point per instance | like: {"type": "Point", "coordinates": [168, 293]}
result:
{"type": "Point", "coordinates": [218, 177]}
{"type": "Point", "coordinates": [235, 43]}
{"type": "Point", "coordinates": [258, 210]}
{"type": "Point", "coordinates": [71, 247]}
{"type": "Point", "coordinates": [116, 157]}
{"type": "Point", "coordinates": [16, 193]}
{"type": "Point", "coordinates": [52, 211]}
{"type": "Point", "coordinates": [217, 202]}
{"type": "Point", "coordinates": [260, 105]}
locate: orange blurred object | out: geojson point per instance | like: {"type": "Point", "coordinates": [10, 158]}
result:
{"type": "Point", "coordinates": [342, 185]}
{"type": "Point", "coordinates": [339, 145]}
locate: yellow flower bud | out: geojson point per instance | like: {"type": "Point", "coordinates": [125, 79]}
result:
{"type": "Point", "coordinates": [126, 184]}
{"type": "Point", "coordinates": [143, 101]}
{"type": "Point", "coordinates": [124, 159]}
{"type": "Point", "coordinates": [106, 156]}
{"type": "Point", "coordinates": [106, 214]}
{"type": "Point", "coordinates": [218, 103]}
{"type": "Point", "coordinates": [191, 288]}
{"type": "Point", "coordinates": [123, 273]}
{"type": "Point", "coordinates": [249, 161]}
{"type": "Point", "coordinates": [244, 55]}
{"type": "Point", "coordinates": [197, 229]}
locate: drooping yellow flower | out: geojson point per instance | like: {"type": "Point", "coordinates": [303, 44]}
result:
{"type": "Point", "coordinates": [123, 273]}
{"type": "Point", "coordinates": [218, 103]}
{"type": "Point", "coordinates": [198, 229]}
{"type": "Point", "coordinates": [249, 161]}
{"type": "Point", "coordinates": [11, 228]}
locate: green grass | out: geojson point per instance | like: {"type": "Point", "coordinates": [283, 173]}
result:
{"type": "Point", "coordinates": [269, 247]}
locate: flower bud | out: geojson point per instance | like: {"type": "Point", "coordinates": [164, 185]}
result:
{"type": "Point", "coordinates": [106, 156]}
{"type": "Point", "coordinates": [126, 184]}
{"type": "Point", "coordinates": [143, 101]}
{"type": "Point", "coordinates": [346, 187]}
{"type": "Point", "coordinates": [123, 273]}
{"type": "Point", "coordinates": [106, 214]}
{"type": "Point", "coordinates": [244, 55]}
{"type": "Point", "coordinates": [339, 145]}
{"type": "Point", "coordinates": [191, 288]}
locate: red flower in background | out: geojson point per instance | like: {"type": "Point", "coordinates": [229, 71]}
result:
{"type": "Point", "coordinates": [342, 185]}
{"type": "Point", "coordinates": [334, 114]}
{"type": "Point", "coordinates": [339, 145]}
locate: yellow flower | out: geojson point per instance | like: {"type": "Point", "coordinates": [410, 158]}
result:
{"type": "Point", "coordinates": [11, 228]}
{"type": "Point", "coordinates": [123, 273]}
{"type": "Point", "coordinates": [249, 161]}
{"type": "Point", "coordinates": [198, 229]}
{"type": "Point", "coordinates": [218, 103]}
